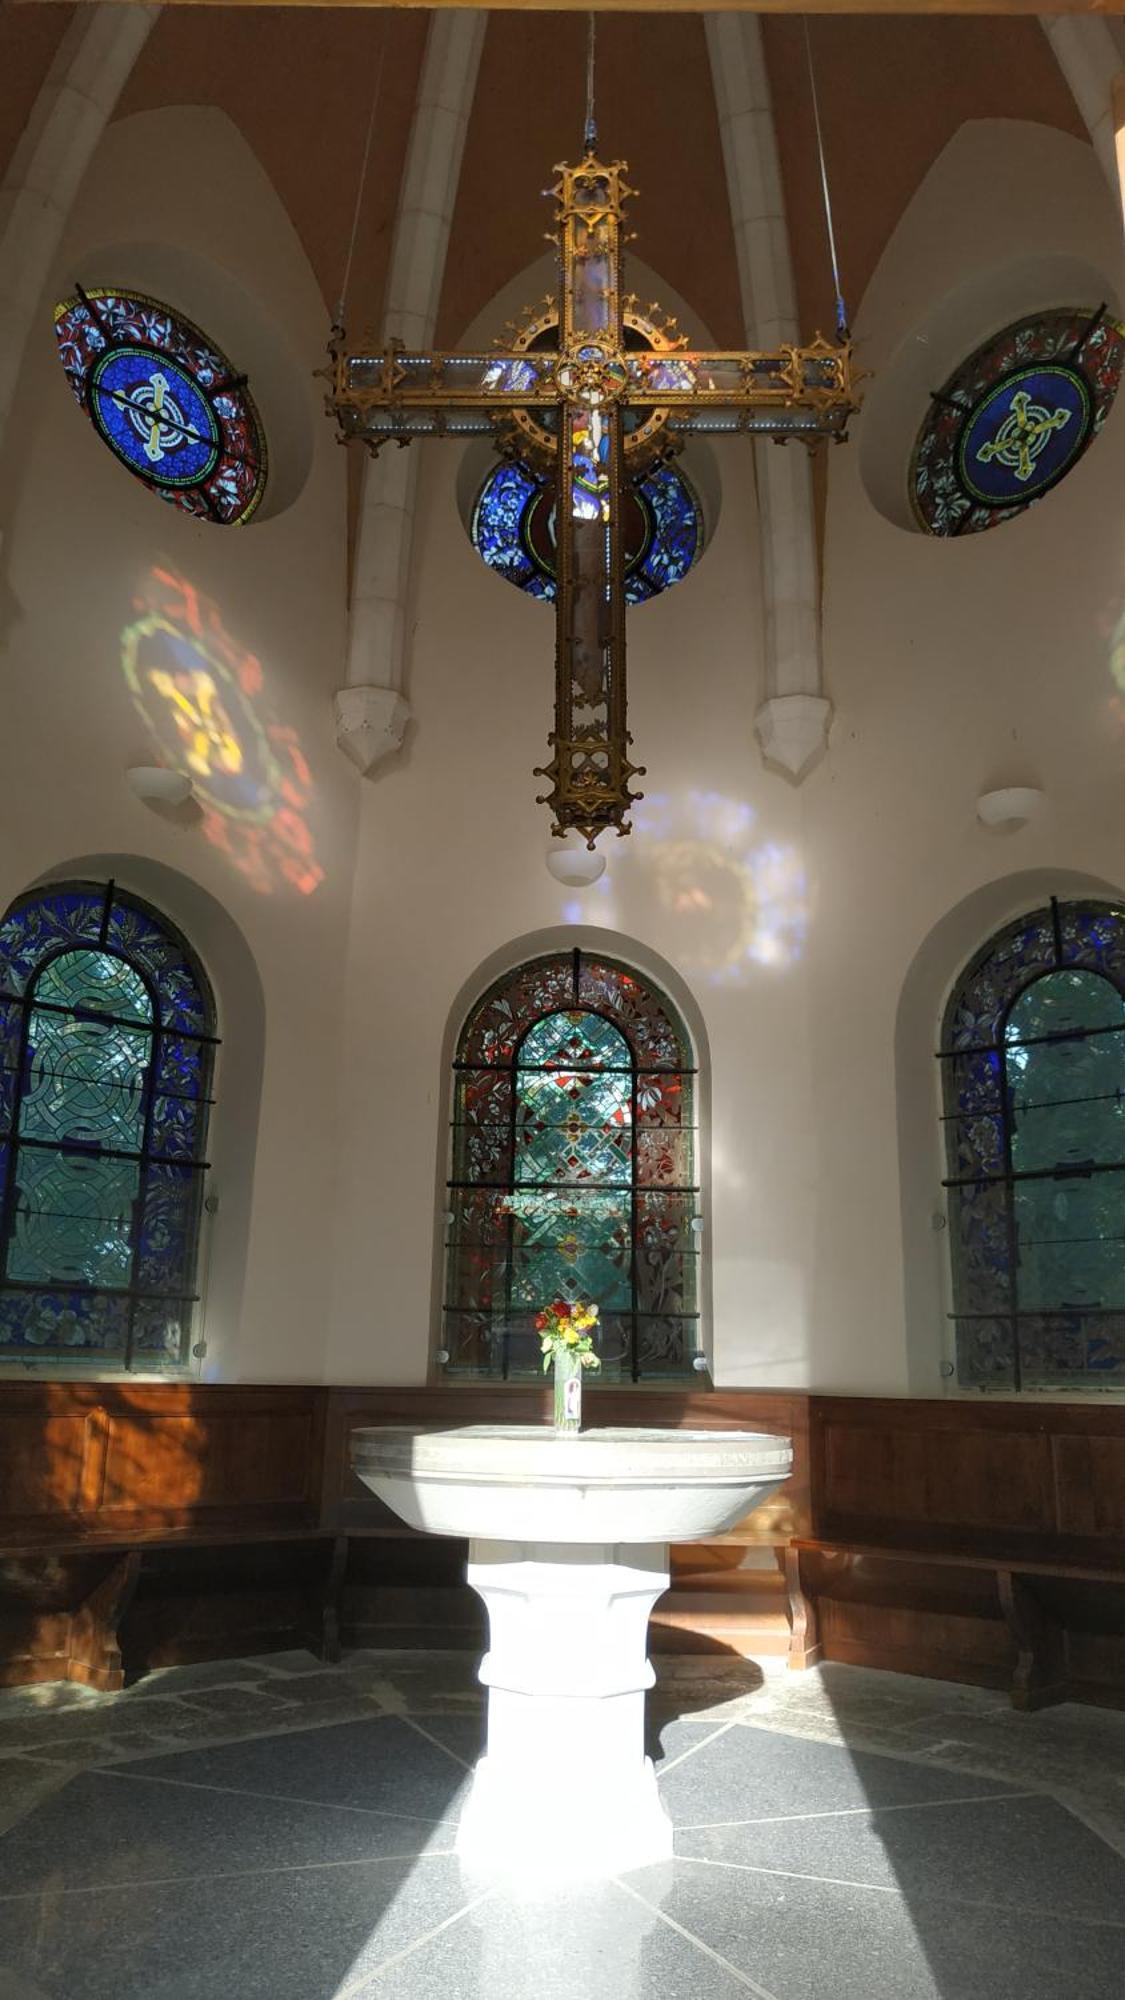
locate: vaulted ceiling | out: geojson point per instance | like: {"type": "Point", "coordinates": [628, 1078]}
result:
{"type": "Point", "coordinates": [299, 84]}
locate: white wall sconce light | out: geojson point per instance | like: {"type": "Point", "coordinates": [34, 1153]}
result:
{"type": "Point", "coordinates": [1011, 806]}
{"type": "Point", "coordinates": [158, 786]}
{"type": "Point", "coordinates": [574, 864]}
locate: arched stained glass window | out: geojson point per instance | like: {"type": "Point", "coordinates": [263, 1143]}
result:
{"type": "Point", "coordinates": [108, 1034]}
{"type": "Point", "coordinates": [166, 401]}
{"type": "Point", "coordinates": [1014, 419]}
{"type": "Point", "coordinates": [1033, 1055]}
{"type": "Point", "coordinates": [573, 1172]}
{"type": "Point", "coordinates": [513, 528]}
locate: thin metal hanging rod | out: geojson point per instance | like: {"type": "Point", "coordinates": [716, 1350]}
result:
{"type": "Point", "coordinates": [842, 330]}
{"type": "Point", "coordinates": [590, 133]}
{"type": "Point", "coordinates": [362, 183]}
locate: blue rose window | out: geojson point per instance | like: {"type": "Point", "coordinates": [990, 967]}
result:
{"type": "Point", "coordinates": [166, 401]}
{"type": "Point", "coordinates": [1014, 418]}
{"type": "Point", "coordinates": [513, 528]}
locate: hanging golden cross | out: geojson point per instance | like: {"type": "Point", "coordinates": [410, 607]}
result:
{"type": "Point", "coordinates": [597, 411]}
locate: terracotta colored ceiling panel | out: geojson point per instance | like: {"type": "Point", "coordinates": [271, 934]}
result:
{"type": "Point", "coordinates": [298, 83]}
{"type": "Point", "coordinates": [892, 94]}
{"type": "Point", "coordinates": [29, 37]}
{"type": "Point", "coordinates": [656, 110]}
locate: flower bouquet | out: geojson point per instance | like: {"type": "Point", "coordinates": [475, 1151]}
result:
{"type": "Point", "coordinates": [564, 1340]}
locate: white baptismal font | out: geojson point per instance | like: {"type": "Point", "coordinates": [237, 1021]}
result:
{"type": "Point", "coordinates": [568, 1547]}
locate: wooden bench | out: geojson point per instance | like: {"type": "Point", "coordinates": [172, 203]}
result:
{"type": "Point", "coordinates": [1039, 1669]}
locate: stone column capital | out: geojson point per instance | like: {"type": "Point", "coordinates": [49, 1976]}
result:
{"type": "Point", "coordinates": [793, 731]}
{"type": "Point", "coordinates": [370, 722]}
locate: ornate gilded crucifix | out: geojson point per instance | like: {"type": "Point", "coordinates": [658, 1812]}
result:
{"type": "Point", "coordinates": [594, 390]}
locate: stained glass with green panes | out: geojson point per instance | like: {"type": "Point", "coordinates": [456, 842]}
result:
{"type": "Point", "coordinates": [81, 1123]}
{"type": "Point", "coordinates": [573, 1163]}
{"type": "Point", "coordinates": [1064, 1060]}
{"type": "Point", "coordinates": [573, 1172]}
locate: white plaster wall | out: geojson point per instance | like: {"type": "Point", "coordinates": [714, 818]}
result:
{"type": "Point", "coordinates": [802, 927]}
{"type": "Point", "coordinates": [955, 666]}
{"type": "Point", "coordinates": [451, 869]}
{"type": "Point", "coordinates": [80, 538]}
{"type": "Point", "coordinates": [952, 667]}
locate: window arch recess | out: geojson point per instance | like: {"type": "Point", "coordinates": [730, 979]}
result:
{"type": "Point", "coordinates": [1033, 1071]}
{"type": "Point", "coordinates": [573, 1171]}
{"type": "Point", "coordinates": [107, 1029]}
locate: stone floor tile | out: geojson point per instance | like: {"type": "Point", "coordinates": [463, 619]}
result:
{"type": "Point", "coordinates": [462, 1735]}
{"type": "Point", "coordinates": [36, 1696]}
{"type": "Point", "coordinates": [379, 1764]}
{"type": "Point", "coordinates": [314, 1690]}
{"type": "Point", "coordinates": [114, 1747]}
{"type": "Point", "coordinates": [672, 1737]}
{"type": "Point", "coordinates": [749, 1772]}
{"type": "Point", "coordinates": [819, 1941]}
{"type": "Point", "coordinates": [1007, 1853]}
{"type": "Point", "coordinates": [24, 1782]}
{"type": "Point", "coordinates": [197, 1674]}
{"type": "Point", "coordinates": [594, 1944]}
{"type": "Point", "coordinates": [287, 1934]}
{"type": "Point", "coordinates": [267, 1700]}
{"type": "Point", "coordinates": [269, 1890]}
{"type": "Point", "coordinates": [106, 1829]}
{"type": "Point", "coordinates": [73, 1726]}
{"type": "Point", "coordinates": [297, 1661]}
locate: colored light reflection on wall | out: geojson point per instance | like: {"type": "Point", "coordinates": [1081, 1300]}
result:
{"type": "Point", "coordinates": [202, 697]}
{"type": "Point", "coordinates": [736, 901]}
{"type": "Point", "coordinates": [1117, 670]}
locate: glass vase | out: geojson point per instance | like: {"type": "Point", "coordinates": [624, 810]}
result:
{"type": "Point", "coordinates": [568, 1393]}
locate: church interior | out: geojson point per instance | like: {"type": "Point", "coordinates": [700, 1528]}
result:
{"type": "Point", "coordinates": [561, 1404]}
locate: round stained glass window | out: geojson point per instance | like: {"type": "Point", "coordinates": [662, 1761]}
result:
{"type": "Point", "coordinates": [513, 529]}
{"type": "Point", "coordinates": [1014, 418]}
{"type": "Point", "coordinates": [164, 399]}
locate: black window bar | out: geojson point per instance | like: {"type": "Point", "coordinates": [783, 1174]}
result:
{"type": "Point", "coordinates": [135, 1296]}
{"type": "Point", "coordinates": [1105, 959]}
{"type": "Point", "coordinates": [636, 1315]}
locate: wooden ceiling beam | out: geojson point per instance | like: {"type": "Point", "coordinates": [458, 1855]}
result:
{"type": "Point", "coordinates": [930, 7]}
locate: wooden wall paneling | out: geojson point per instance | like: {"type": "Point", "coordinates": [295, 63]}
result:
{"type": "Point", "coordinates": [1039, 1674]}
{"type": "Point", "coordinates": [119, 1463]}
{"type": "Point", "coordinates": [890, 1463]}
{"type": "Point", "coordinates": [1005, 1522]}
{"type": "Point", "coordinates": [60, 1617]}
{"type": "Point", "coordinates": [1044, 1478]}
{"type": "Point", "coordinates": [410, 1592]}
{"type": "Point", "coordinates": [94, 1653]}
{"type": "Point", "coordinates": [37, 1600]}
{"type": "Point", "coordinates": [908, 1614]}
{"type": "Point", "coordinates": [202, 1602]}
{"type": "Point", "coordinates": [332, 1584]}
{"type": "Point", "coordinates": [1089, 1479]}
{"type": "Point", "coordinates": [44, 1458]}
{"type": "Point", "coordinates": [805, 1649]}
{"type": "Point", "coordinates": [243, 1453]}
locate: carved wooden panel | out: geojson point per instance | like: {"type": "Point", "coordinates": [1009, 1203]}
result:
{"type": "Point", "coordinates": [1090, 1484]}
{"type": "Point", "coordinates": [993, 1476]}
{"type": "Point", "coordinates": [107, 1462]}
{"type": "Point", "coordinates": [42, 1459]}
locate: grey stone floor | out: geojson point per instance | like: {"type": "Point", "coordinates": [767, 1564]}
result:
{"type": "Point", "coordinates": [272, 1829]}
